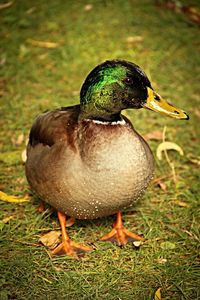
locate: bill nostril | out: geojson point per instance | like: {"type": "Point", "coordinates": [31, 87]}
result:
{"type": "Point", "coordinates": [156, 97]}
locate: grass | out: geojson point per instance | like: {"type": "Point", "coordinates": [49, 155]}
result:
{"type": "Point", "coordinates": [35, 79]}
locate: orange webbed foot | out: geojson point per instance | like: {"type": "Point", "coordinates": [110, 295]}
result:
{"type": "Point", "coordinates": [71, 248]}
{"type": "Point", "coordinates": [67, 246]}
{"type": "Point", "coordinates": [120, 235]}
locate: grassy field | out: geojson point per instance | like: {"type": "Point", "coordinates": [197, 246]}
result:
{"type": "Point", "coordinates": [35, 78]}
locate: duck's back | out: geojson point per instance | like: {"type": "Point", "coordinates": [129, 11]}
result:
{"type": "Point", "coordinates": [87, 169]}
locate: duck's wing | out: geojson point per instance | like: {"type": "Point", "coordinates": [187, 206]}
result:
{"type": "Point", "coordinates": [54, 127]}
{"type": "Point", "coordinates": [52, 144]}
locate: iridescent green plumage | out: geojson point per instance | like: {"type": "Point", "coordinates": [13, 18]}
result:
{"type": "Point", "coordinates": [111, 87]}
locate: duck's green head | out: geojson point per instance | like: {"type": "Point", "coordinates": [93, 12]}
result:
{"type": "Point", "coordinates": [116, 85]}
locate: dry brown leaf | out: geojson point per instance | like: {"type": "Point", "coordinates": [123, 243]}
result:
{"type": "Point", "coordinates": [159, 181]}
{"type": "Point", "coordinates": [12, 199]}
{"type": "Point", "coordinates": [51, 239]}
{"type": "Point", "coordinates": [162, 185]}
{"type": "Point", "coordinates": [157, 295]}
{"type": "Point", "coordinates": [6, 5]}
{"type": "Point", "coordinates": [193, 13]}
{"type": "Point", "coordinates": [154, 135]}
{"type": "Point", "coordinates": [43, 44]}
{"type": "Point", "coordinates": [88, 7]}
{"type": "Point", "coordinates": [162, 261]}
{"type": "Point", "coordinates": [164, 146]}
{"type": "Point", "coordinates": [19, 140]}
{"type": "Point", "coordinates": [194, 160]}
{"type": "Point", "coordinates": [31, 10]}
{"type": "Point", "coordinates": [20, 180]}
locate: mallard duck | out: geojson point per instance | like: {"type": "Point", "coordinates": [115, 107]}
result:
{"type": "Point", "coordinates": [87, 161]}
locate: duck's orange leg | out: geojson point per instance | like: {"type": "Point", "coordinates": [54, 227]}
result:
{"type": "Point", "coordinates": [119, 234]}
{"type": "Point", "coordinates": [41, 208]}
{"type": "Point", "coordinates": [67, 246]}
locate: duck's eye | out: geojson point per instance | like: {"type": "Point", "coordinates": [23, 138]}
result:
{"type": "Point", "coordinates": [128, 80]}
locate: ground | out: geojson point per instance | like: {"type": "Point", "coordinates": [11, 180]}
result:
{"type": "Point", "coordinates": [39, 76]}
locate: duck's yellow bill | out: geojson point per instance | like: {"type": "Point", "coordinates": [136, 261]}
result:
{"type": "Point", "coordinates": [156, 103]}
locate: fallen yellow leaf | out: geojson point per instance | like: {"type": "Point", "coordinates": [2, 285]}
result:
{"type": "Point", "coordinates": [134, 39]}
{"type": "Point", "coordinates": [164, 146]}
{"type": "Point", "coordinates": [42, 44]}
{"type": "Point", "coordinates": [12, 199]}
{"type": "Point", "coordinates": [157, 295]}
{"type": "Point", "coordinates": [24, 156]}
{"type": "Point", "coordinates": [7, 219]}
{"type": "Point", "coordinates": [181, 203]}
